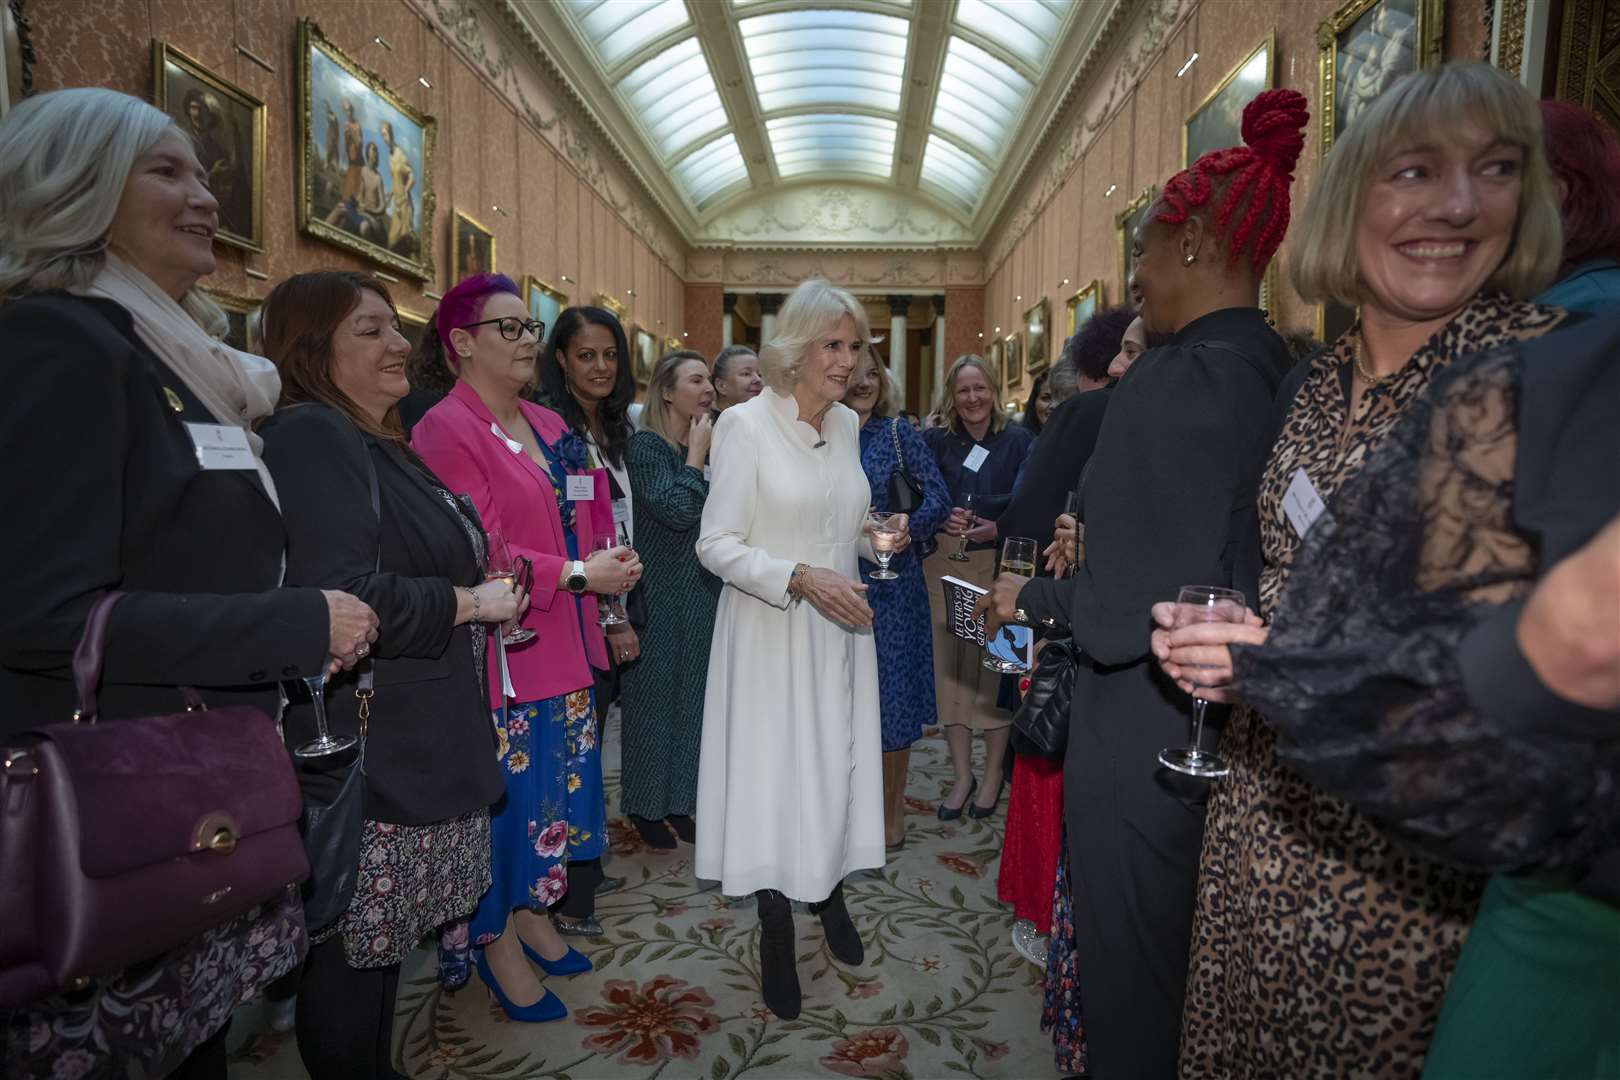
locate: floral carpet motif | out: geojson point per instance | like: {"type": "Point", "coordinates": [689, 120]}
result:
{"type": "Point", "coordinates": [676, 988]}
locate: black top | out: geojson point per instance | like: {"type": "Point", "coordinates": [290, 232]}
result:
{"type": "Point", "coordinates": [1170, 498]}
{"type": "Point", "coordinates": [103, 490]}
{"type": "Point", "coordinates": [430, 752]}
{"type": "Point", "coordinates": [1392, 672]}
{"type": "Point", "coordinates": [1054, 467]}
{"type": "Point", "coordinates": [992, 484]}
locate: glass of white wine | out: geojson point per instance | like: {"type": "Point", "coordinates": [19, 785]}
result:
{"type": "Point", "coordinates": [1201, 604]}
{"type": "Point", "coordinates": [609, 607]}
{"type": "Point", "coordinates": [502, 567]}
{"type": "Point", "coordinates": [960, 554]}
{"type": "Point", "coordinates": [1017, 557]}
{"type": "Point", "coordinates": [884, 538]}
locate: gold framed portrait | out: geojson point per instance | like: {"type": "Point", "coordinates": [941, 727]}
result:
{"type": "Point", "coordinates": [546, 302]}
{"type": "Point", "coordinates": [365, 160]}
{"type": "Point", "coordinates": [472, 247]}
{"type": "Point", "coordinates": [1083, 305]}
{"type": "Point", "coordinates": [1218, 121]}
{"type": "Point", "coordinates": [1038, 331]}
{"type": "Point", "coordinates": [1012, 351]}
{"type": "Point", "coordinates": [226, 126]}
{"type": "Point", "coordinates": [1127, 221]}
{"type": "Point", "coordinates": [613, 304]}
{"type": "Point", "coordinates": [238, 312]}
{"type": "Point", "coordinates": [1366, 45]}
{"type": "Point", "coordinates": [413, 326]}
{"type": "Point", "coordinates": [644, 346]}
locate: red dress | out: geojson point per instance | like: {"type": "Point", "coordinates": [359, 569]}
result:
{"type": "Point", "coordinates": [1029, 853]}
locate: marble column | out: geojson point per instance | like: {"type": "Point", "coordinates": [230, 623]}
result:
{"type": "Point", "coordinates": [939, 342]}
{"type": "Point", "coordinates": [898, 306]}
{"type": "Point", "coordinates": [728, 308]}
{"type": "Point", "coordinates": [769, 305]}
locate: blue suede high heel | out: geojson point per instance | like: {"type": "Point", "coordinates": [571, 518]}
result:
{"type": "Point", "coordinates": [549, 1007]}
{"type": "Point", "coordinates": [571, 962]}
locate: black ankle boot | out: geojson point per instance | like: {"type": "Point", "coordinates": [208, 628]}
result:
{"type": "Point", "coordinates": [842, 937]}
{"type": "Point", "coordinates": [779, 975]}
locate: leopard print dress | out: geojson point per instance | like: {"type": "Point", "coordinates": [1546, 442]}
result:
{"type": "Point", "coordinates": [1319, 949]}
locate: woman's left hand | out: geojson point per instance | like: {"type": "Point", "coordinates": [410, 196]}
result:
{"type": "Point", "coordinates": [1197, 656]}
{"type": "Point", "coordinates": [623, 644]}
{"type": "Point", "coordinates": [982, 533]}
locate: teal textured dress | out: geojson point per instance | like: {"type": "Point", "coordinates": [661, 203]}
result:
{"type": "Point", "coordinates": [661, 696]}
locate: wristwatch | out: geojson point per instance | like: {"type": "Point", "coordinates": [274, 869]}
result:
{"type": "Point", "coordinates": [576, 580]}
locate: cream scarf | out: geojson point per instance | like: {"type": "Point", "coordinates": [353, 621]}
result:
{"type": "Point", "coordinates": [237, 387]}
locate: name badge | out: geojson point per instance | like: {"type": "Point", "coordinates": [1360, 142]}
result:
{"type": "Point", "coordinates": [975, 459]}
{"type": "Point", "coordinates": [1301, 503]}
{"type": "Point", "coordinates": [581, 488]}
{"type": "Point", "coordinates": [221, 446]}
{"type": "Point", "coordinates": [621, 511]}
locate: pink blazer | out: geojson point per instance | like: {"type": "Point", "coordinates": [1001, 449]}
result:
{"type": "Point", "coordinates": [515, 495]}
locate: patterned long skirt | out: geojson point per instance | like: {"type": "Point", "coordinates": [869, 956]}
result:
{"type": "Point", "coordinates": [529, 828]}
{"type": "Point", "coordinates": [1060, 1008]}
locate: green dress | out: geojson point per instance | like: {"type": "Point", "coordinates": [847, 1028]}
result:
{"type": "Point", "coordinates": [661, 696]}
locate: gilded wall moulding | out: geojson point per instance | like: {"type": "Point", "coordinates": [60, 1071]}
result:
{"type": "Point", "coordinates": [781, 270]}
{"type": "Point", "coordinates": [846, 214]}
{"type": "Point", "coordinates": [550, 106]}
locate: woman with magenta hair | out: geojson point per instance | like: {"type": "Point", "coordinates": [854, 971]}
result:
{"type": "Point", "coordinates": [1168, 501]}
{"type": "Point", "coordinates": [527, 474]}
{"type": "Point", "coordinates": [1584, 155]}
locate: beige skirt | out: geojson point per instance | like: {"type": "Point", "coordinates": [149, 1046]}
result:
{"type": "Point", "coordinates": [965, 691]}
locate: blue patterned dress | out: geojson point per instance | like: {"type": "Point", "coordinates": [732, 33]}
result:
{"type": "Point", "coordinates": [902, 625]}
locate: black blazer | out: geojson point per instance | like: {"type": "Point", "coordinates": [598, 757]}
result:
{"type": "Point", "coordinates": [102, 490]}
{"type": "Point", "coordinates": [1054, 467]}
{"type": "Point", "coordinates": [430, 750]}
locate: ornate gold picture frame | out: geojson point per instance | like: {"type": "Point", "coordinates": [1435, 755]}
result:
{"type": "Point", "coordinates": [1368, 44]}
{"type": "Point", "coordinates": [644, 344]}
{"type": "Point", "coordinates": [613, 304]}
{"type": "Point", "coordinates": [472, 247]}
{"type": "Point", "coordinates": [1038, 343]}
{"type": "Point", "coordinates": [365, 160]}
{"type": "Point", "coordinates": [1127, 221]}
{"type": "Point", "coordinates": [226, 127]}
{"type": "Point", "coordinates": [238, 310]}
{"type": "Point", "coordinates": [1218, 121]}
{"type": "Point", "coordinates": [1012, 350]}
{"type": "Point", "coordinates": [413, 326]}
{"type": "Point", "coordinates": [1083, 305]}
{"type": "Point", "coordinates": [546, 302]}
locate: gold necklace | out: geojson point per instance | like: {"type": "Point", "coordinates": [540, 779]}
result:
{"type": "Point", "coordinates": [1361, 372]}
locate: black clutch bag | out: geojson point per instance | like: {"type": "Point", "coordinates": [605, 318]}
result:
{"type": "Point", "coordinates": [1041, 723]}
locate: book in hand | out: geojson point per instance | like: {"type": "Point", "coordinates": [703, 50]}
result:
{"type": "Point", "coordinates": [1012, 642]}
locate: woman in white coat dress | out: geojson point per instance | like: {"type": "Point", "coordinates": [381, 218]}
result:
{"type": "Point", "coordinates": [790, 787]}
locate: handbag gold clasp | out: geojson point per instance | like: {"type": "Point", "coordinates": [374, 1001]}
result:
{"type": "Point", "coordinates": [216, 832]}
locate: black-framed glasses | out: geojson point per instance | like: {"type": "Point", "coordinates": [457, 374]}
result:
{"type": "Point", "coordinates": [511, 328]}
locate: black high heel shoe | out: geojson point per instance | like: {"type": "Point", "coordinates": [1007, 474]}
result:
{"type": "Point", "coordinates": [979, 813]}
{"type": "Point", "coordinates": [947, 813]}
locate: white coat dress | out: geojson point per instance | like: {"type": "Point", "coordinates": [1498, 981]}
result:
{"type": "Point", "coordinates": [790, 789]}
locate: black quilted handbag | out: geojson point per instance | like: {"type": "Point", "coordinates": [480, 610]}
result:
{"type": "Point", "coordinates": [1041, 724]}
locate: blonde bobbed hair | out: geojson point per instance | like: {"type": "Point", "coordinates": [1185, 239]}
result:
{"type": "Point", "coordinates": [656, 414]}
{"type": "Point", "coordinates": [65, 157]}
{"type": "Point", "coordinates": [810, 313]}
{"type": "Point", "coordinates": [888, 385]}
{"type": "Point", "coordinates": [1417, 107]}
{"type": "Point", "coordinates": [947, 402]}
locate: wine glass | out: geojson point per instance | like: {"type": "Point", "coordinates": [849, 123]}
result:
{"type": "Point", "coordinates": [325, 743]}
{"type": "Point", "coordinates": [884, 538]}
{"type": "Point", "coordinates": [960, 554]}
{"type": "Point", "coordinates": [1202, 604]}
{"type": "Point", "coordinates": [609, 608]}
{"type": "Point", "coordinates": [1017, 557]}
{"type": "Point", "coordinates": [502, 567]}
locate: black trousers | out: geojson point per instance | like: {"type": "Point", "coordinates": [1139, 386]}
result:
{"type": "Point", "coordinates": [346, 1017]}
{"type": "Point", "coordinates": [207, 1061]}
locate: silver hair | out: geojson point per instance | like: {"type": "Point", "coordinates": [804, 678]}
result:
{"type": "Point", "coordinates": [811, 310]}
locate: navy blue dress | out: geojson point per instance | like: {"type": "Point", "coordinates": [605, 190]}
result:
{"type": "Point", "coordinates": [902, 624]}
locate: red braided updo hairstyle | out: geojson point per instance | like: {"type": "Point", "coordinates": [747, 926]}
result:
{"type": "Point", "coordinates": [1248, 184]}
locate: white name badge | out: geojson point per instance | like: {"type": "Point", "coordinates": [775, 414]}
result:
{"type": "Point", "coordinates": [581, 488]}
{"type": "Point", "coordinates": [1301, 503]}
{"type": "Point", "coordinates": [221, 446]}
{"type": "Point", "coordinates": [975, 459]}
{"type": "Point", "coordinates": [621, 511]}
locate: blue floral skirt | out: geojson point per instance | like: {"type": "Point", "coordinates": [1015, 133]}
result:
{"type": "Point", "coordinates": [553, 807]}
{"type": "Point", "coordinates": [1060, 1007]}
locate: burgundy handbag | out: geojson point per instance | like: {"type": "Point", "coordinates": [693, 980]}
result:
{"type": "Point", "coordinates": [122, 840]}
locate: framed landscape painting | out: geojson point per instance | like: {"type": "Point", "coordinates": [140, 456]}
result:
{"type": "Point", "coordinates": [472, 248]}
{"type": "Point", "coordinates": [1218, 121]}
{"type": "Point", "coordinates": [365, 162]}
{"type": "Point", "coordinates": [226, 127]}
{"type": "Point", "coordinates": [1365, 46]}
{"type": "Point", "coordinates": [1038, 325]}
{"type": "Point", "coordinates": [1013, 351]}
{"type": "Point", "coordinates": [1082, 306]}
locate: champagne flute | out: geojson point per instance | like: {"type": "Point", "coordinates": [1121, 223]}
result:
{"type": "Point", "coordinates": [1071, 507]}
{"type": "Point", "coordinates": [325, 743]}
{"type": "Point", "coordinates": [1017, 557]}
{"type": "Point", "coordinates": [884, 537]}
{"type": "Point", "coordinates": [609, 608]}
{"type": "Point", "coordinates": [960, 554]}
{"type": "Point", "coordinates": [1202, 604]}
{"type": "Point", "coordinates": [502, 567]}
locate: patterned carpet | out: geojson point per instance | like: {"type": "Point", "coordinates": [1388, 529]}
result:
{"type": "Point", "coordinates": [675, 992]}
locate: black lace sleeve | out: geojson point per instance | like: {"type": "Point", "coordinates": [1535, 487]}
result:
{"type": "Point", "coordinates": [1361, 674]}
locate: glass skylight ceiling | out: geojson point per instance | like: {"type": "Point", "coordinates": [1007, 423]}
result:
{"type": "Point", "coordinates": [828, 86]}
